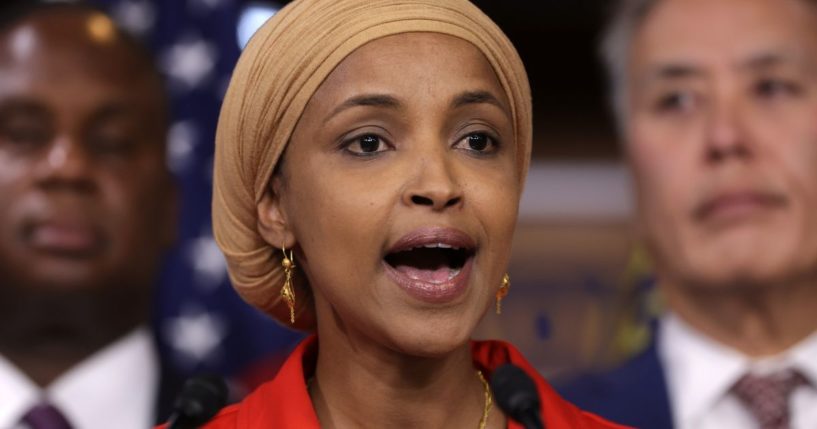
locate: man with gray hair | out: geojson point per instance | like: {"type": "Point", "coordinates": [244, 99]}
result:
{"type": "Point", "coordinates": [717, 103]}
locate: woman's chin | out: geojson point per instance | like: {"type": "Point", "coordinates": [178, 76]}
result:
{"type": "Point", "coordinates": [431, 340]}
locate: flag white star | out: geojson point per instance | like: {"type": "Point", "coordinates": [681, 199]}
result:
{"type": "Point", "coordinates": [252, 18]}
{"type": "Point", "coordinates": [136, 16]}
{"type": "Point", "coordinates": [208, 262]}
{"type": "Point", "coordinates": [181, 141]}
{"type": "Point", "coordinates": [189, 62]}
{"type": "Point", "coordinates": [195, 335]}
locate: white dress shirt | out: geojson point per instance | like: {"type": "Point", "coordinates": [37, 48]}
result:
{"type": "Point", "coordinates": [113, 388]}
{"type": "Point", "coordinates": [700, 373]}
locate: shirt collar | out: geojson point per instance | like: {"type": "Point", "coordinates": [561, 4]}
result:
{"type": "Point", "coordinates": [116, 384]}
{"type": "Point", "coordinates": [699, 371]}
{"type": "Point", "coordinates": [17, 394]}
{"type": "Point", "coordinates": [284, 402]}
{"type": "Point", "coordinates": [802, 357]}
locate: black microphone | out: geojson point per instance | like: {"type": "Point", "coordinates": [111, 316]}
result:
{"type": "Point", "coordinates": [517, 396]}
{"type": "Point", "coordinates": [200, 399]}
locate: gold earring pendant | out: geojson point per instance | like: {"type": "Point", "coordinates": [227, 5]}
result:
{"type": "Point", "coordinates": [288, 292]}
{"type": "Point", "coordinates": [502, 292]}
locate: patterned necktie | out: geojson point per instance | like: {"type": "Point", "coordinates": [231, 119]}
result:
{"type": "Point", "coordinates": [767, 397]}
{"type": "Point", "coordinates": [45, 416]}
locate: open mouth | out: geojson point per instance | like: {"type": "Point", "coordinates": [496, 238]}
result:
{"type": "Point", "coordinates": [432, 264]}
{"type": "Point", "coordinates": [436, 263]}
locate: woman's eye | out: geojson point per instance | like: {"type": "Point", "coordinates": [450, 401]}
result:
{"type": "Point", "coordinates": [368, 144]}
{"type": "Point", "coordinates": [478, 142]}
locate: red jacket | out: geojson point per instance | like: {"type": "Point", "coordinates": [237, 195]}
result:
{"type": "Point", "coordinates": [284, 403]}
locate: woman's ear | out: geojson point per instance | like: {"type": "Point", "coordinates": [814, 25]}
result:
{"type": "Point", "coordinates": [272, 220]}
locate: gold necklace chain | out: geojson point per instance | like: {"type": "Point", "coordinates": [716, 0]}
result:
{"type": "Point", "coordinates": [489, 400]}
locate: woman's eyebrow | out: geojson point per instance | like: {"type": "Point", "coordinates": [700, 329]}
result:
{"type": "Point", "coordinates": [475, 97]}
{"type": "Point", "coordinates": [376, 100]}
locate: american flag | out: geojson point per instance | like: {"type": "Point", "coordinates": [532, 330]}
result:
{"type": "Point", "coordinates": [200, 321]}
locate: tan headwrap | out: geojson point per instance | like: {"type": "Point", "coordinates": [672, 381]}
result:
{"type": "Point", "coordinates": [278, 72]}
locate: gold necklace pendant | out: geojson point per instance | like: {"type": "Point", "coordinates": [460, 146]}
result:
{"type": "Point", "coordinates": [489, 400]}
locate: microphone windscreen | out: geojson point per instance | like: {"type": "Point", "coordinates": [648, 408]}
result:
{"type": "Point", "coordinates": [516, 394]}
{"type": "Point", "coordinates": [200, 399]}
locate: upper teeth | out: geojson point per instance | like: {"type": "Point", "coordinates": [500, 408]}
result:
{"type": "Point", "coordinates": [439, 246]}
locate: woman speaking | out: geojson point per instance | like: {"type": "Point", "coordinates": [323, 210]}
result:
{"type": "Point", "coordinates": [370, 157]}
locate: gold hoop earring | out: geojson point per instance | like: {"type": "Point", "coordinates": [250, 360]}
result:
{"type": "Point", "coordinates": [502, 292]}
{"type": "Point", "coordinates": [287, 292]}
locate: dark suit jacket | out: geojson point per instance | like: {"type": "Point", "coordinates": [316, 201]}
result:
{"type": "Point", "coordinates": [633, 394]}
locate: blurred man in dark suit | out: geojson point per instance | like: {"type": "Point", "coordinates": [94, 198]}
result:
{"type": "Point", "coordinates": [717, 102]}
{"type": "Point", "coordinates": [87, 207]}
